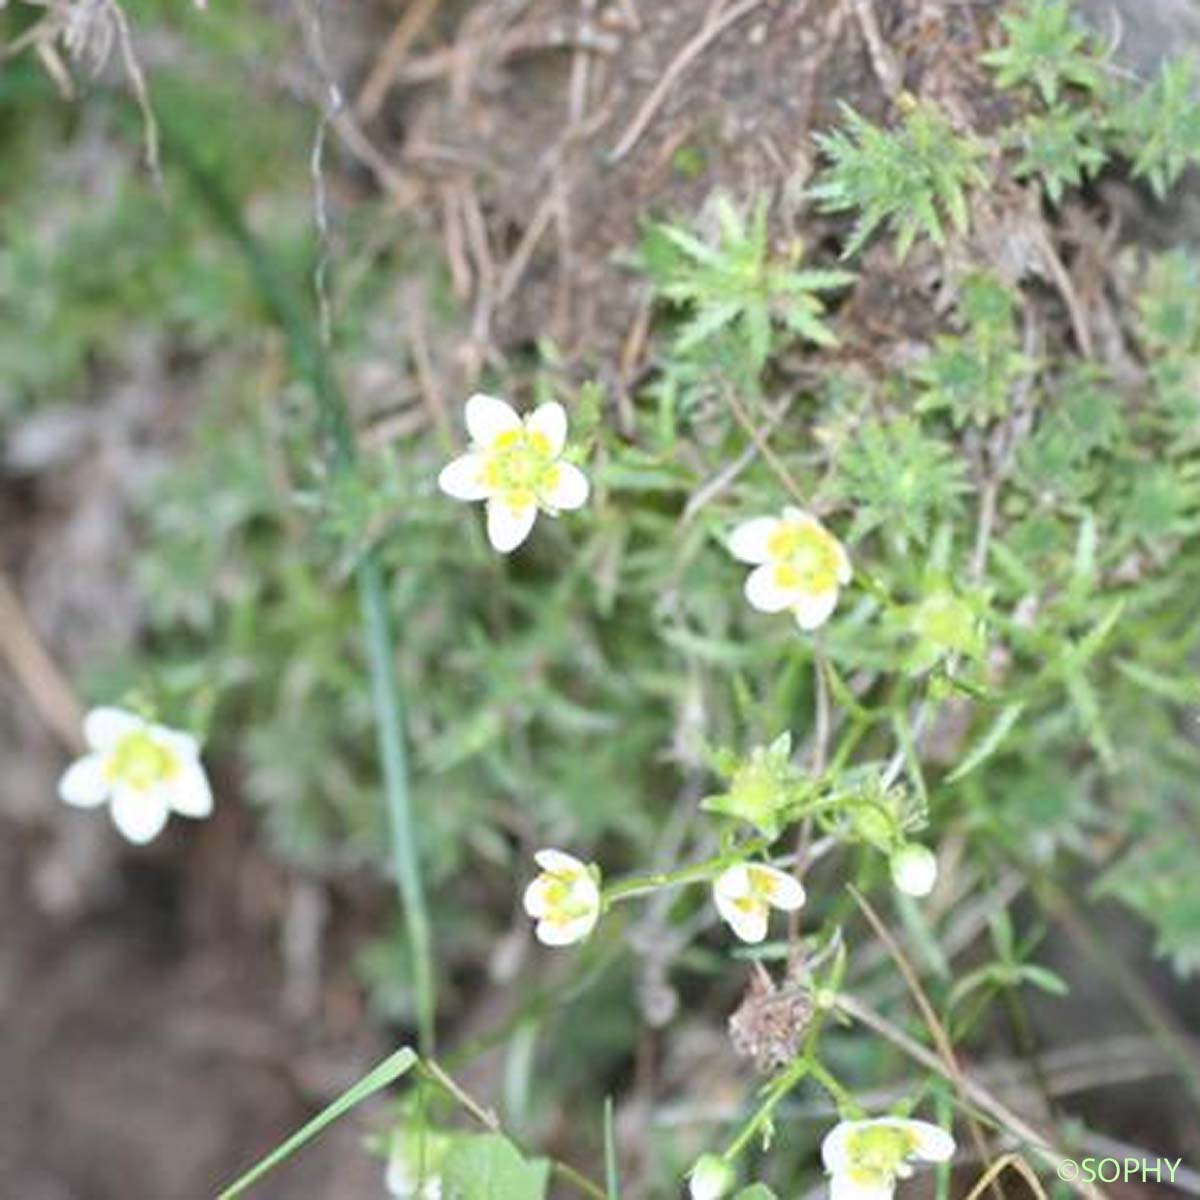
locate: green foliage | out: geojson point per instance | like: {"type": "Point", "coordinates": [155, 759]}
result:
{"type": "Point", "coordinates": [762, 787]}
{"type": "Point", "coordinates": [489, 1167]}
{"type": "Point", "coordinates": [736, 286]}
{"type": "Point", "coordinates": [901, 478]}
{"type": "Point", "coordinates": [1157, 879]}
{"type": "Point", "coordinates": [1157, 127]}
{"type": "Point", "coordinates": [1061, 146]}
{"type": "Point", "coordinates": [1045, 49]}
{"type": "Point", "coordinates": [913, 179]}
{"type": "Point", "coordinates": [1169, 328]}
{"type": "Point", "coordinates": [971, 376]}
{"type": "Point", "coordinates": [1010, 969]}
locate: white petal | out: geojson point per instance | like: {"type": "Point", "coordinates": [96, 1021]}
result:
{"type": "Point", "coordinates": [139, 815]}
{"type": "Point", "coordinates": [846, 1187]}
{"type": "Point", "coordinates": [765, 594]}
{"type": "Point", "coordinates": [188, 792]}
{"type": "Point", "coordinates": [104, 727]}
{"type": "Point", "coordinates": [508, 527]}
{"type": "Point", "coordinates": [748, 542]}
{"type": "Point", "coordinates": [399, 1180]}
{"type": "Point", "coordinates": [585, 892]}
{"type": "Point", "coordinates": [462, 478]}
{"type": "Point", "coordinates": [570, 488]}
{"type": "Point", "coordinates": [833, 1146]}
{"type": "Point", "coordinates": [934, 1144]}
{"type": "Point", "coordinates": [489, 417]}
{"type": "Point", "coordinates": [565, 933]}
{"type": "Point", "coordinates": [550, 420]}
{"type": "Point", "coordinates": [844, 571]}
{"type": "Point", "coordinates": [813, 610]}
{"type": "Point", "coordinates": [534, 900]}
{"type": "Point", "coordinates": [185, 744]}
{"type": "Point", "coordinates": [733, 883]}
{"type": "Point", "coordinates": [785, 891]}
{"type": "Point", "coordinates": [748, 921]}
{"type": "Point", "coordinates": [558, 862]}
{"type": "Point", "coordinates": [83, 784]}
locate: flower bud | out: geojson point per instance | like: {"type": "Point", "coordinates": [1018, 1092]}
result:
{"type": "Point", "coordinates": [711, 1178]}
{"type": "Point", "coordinates": [914, 869]}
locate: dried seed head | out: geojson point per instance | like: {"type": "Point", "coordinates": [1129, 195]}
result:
{"type": "Point", "coordinates": [768, 1026]}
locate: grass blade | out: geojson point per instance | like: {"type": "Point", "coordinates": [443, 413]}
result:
{"type": "Point", "coordinates": [387, 1072]}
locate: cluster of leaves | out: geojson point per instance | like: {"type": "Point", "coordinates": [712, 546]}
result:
{"type": "Point", "coordinates": [737, 287]}
{"type": "Point", "coordinates": [1077, 113]}
{"type": "Point", "coordinates": [912, 180]}
{"type": "Point", "coordinates": [972, 376]}
{"type": "Point", "coordinates": [1091, 112]}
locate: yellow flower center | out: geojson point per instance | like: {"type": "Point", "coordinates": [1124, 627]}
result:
{"type": "Point", "coordinates": [520, 467]}
{"type": "Point", "coordinates": [877, 1152]}
{"type": "Point", "coordinates": [806, 557]}
{"type": "Point", "coordinates": [139, 762]}
{"type": "Point", "coordinates": [563, 903]}
{"type": "Point", "coordinates": [763, 884]}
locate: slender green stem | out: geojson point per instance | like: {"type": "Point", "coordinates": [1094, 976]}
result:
{"type": "Point", "coordinates": [640, 885]}
{"type": "Point", "coordinates": [309, 361]}
{"type": "Point", "coordinates": [581, 1183]}
{"type": "Point", "coordinates": [841, 1095]}
{"type": "Point", "coordinates": [776, 1091]}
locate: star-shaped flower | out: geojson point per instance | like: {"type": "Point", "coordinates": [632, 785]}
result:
{"type": "Point", "coordinates": [799, 565]}
{"type": "Point", "coordinates": [865, 1158]}
{"type": "Point", "coordinates": [564, 899]}
{"type": "Point", "coordinates": [145, 771]}
{"type": "Point", "coordinates": [745, 894]}
{"type": "Point", "coordinates": [516, 466]}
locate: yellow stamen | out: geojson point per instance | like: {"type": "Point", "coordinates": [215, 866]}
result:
{"type": "Point", "coordinates": [140, 762]}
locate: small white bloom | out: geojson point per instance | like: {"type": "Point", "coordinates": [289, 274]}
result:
{"type": "Point", "coordinates": [914, 869]}
{"type": "Point", "coordinates": [516, 466]}
{"type": "Point", "coordinates": [865, 1158]}
{"type": "Point", "coordinates": [711, 1178]}
{"type": "Point", "coordinates": [745, 894]}
{"type": "Point", "coordinates": [798, 565]}
{"type": "Point", "coordinates": [564, 899]}
{"type": "Point", "coordinates": [414, 1165]}
{"type": "Point", "coordinates": [145, 772]}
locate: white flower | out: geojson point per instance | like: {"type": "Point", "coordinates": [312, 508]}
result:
{"type": "Point", "coordinates": [914, 869]}
{"type": "Point", "coordinates": [145, 771]}
{"type": "Point", "coordinates": [711, 1178]}
{"type": "Point", "coordinates": [414, 1164]}
{"type": "Point", "coordinates": [799, 565]}
{"type": "Point", "coordinates": [516, 466]}
{"type": "Point", "coordinates": [745, 894]}
{"type": "Point", "coordinates": [564, 899]}
{"type": "Point", "coordinates": [865, 1158]}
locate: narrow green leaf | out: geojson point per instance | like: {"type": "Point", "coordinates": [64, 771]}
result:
{"type": "Point", "coordinates": [987, 745]}
{"type": "Point", "coordinates": [1181, 690]}
{"type": "Point", "coordinates": [1087, 708]}
{"type": "Point", "coordinates": [386, 1073]}
{"type": "Point", "coordinates": [1045, 979]}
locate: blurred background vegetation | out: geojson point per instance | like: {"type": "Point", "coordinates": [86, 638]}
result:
{"type": "Point", "coordinates": [1006, 433]}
